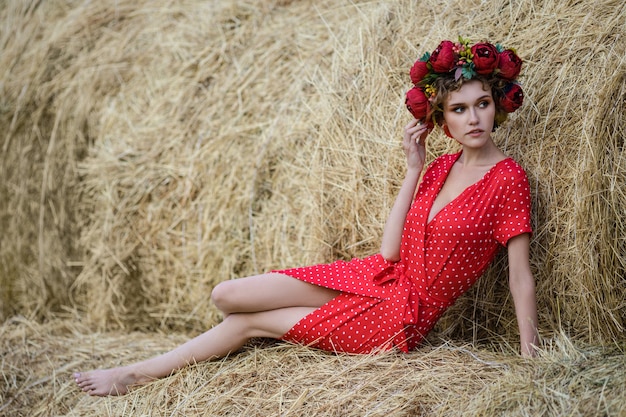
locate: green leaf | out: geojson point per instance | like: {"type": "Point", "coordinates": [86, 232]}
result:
{"type": "Point", "coordinates": [463, 41]}
{"type": "Point", "coordinates": [468, 71]}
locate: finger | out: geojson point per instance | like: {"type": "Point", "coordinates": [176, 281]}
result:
{"type": "Point", "coordinates": [411, 123]}
{"type": "Point", "coordinates": [416, 130]}
{"type": "Point", "coordinates": [420, 138]}
{"type": "Point", "coordinates": [421, 129]}
{"type": "Point", "coordinates": [410, 129]}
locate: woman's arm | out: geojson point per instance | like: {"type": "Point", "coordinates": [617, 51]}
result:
{"type": "Point", "coordinates": [522, 285]}
{"type": "Point", "coordinates": [415, 150]}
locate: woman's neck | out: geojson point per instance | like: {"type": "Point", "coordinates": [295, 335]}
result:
{"type": "Point", "coordinates": [487, 155]}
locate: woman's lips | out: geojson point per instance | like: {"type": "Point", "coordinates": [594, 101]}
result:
{"type": "Point", "coordinates": [475, 132]}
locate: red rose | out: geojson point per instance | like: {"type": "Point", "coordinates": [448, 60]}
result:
{"type": "Point", "coordinates": [418, 71]}
{"type": "Point", "coordinates": [443, 59]}
{"type": "Point", "coordinates": [417, 103]}
{"type": "Point", "coordinates": [513, 98]}
{"type": "Point", "coordinates": [485, 58]}
{"type": "Point", "coordinates": [510, 65]}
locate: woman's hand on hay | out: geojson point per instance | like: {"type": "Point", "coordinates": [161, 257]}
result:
{"type": "Point", "coordinates": [414, 144]}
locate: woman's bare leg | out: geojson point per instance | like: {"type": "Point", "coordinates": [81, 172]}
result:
{"type": "Point", "coordinates": [275, 317]}
{"type": "Point", "coordinates": [268, 292]}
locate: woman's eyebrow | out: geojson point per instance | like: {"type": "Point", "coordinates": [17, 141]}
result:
{"type": "Point", "coordinates": [462, 104]}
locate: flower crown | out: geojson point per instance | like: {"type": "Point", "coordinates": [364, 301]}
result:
{"type": "Point", "coordinates": [460, 60]}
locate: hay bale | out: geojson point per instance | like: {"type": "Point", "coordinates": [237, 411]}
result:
{"type": "Point", "coordinates": [271, 379]}
{"type": "Point", "coordinates": [153, 150]}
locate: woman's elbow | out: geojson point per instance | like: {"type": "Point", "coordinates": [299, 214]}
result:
{"type": "Point", "coordinates": [390, 256]}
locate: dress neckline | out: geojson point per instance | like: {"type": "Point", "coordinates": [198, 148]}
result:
{"type": "Point", "coordinates": [443, 179]}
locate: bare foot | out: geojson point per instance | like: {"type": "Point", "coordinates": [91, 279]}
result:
{"type": "Point", "coordinates": [103, 382]}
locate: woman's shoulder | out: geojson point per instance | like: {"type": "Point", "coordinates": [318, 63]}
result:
{"type": "Point", "coordinates": [508, 176]}
{"type": "Point", "coordinates": [448, 157]}
{"type": "Point", "coordinates": [444, 160]}
{"type": "Point", "coordinates": [439, 167]}
{"type": "Point", "coordinates": [510, 168]}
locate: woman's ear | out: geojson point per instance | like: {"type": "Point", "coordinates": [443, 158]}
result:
{"type": "Point", "coordinates": [446, 130]}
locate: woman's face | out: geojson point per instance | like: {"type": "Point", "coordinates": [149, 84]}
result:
{"type": "Point", "coordinates": [469, 114]}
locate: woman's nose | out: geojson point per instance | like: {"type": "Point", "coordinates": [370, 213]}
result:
{"type": "Point", "coordinates": [473, 116]}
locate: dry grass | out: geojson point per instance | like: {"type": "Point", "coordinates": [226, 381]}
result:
{"type": "Point", "coordinates": [277, 379]}
{"type": "Point", "coordinates": [151, 149]}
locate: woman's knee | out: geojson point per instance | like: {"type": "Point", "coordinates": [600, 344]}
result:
{"type": "Point", "coordinates": [239, 324]}
{"type": "Point", "coordinates": [222, 296]}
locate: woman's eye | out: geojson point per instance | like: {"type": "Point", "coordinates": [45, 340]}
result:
{"type": "Point", "coordinates": [484, 103]}
{"type": "Point", "coordinates": [458, 109]}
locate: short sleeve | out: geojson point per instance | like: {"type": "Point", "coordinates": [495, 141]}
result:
{"type": "Point", "coordinates": [514, 217]}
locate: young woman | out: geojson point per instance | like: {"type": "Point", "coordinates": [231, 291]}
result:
{"type": "Point", "coordinates": [439, 238]}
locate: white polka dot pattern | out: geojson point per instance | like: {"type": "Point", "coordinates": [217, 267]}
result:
{"type": "Point", "coordinates": [385, 305]}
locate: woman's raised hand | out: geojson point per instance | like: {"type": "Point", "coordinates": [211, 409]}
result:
{"type": "Point", "coordinates": [414, 143]}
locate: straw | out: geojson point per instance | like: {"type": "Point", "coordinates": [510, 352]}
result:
{"type": "Point", "coordinates": [152, 149]}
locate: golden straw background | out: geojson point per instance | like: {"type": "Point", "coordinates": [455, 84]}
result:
{"type": "Point", "coordinates": [150, 149]}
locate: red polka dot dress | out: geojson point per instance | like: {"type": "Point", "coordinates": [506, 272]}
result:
{"type": "Point", "coordinates": [385, 305]}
